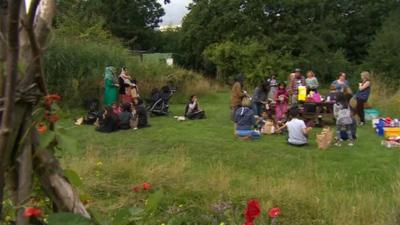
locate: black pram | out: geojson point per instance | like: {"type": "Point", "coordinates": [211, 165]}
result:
{"type": "Point", "coordinates": [159, 101]}
{"type": "Point", "coordinates": [93, 111]}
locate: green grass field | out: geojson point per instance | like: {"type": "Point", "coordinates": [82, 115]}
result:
{"type": "Point", "coordinates": [203, 175]}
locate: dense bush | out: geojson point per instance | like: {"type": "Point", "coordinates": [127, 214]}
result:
{"type": "Point", "coordinates": [384, 51]}
{"type": "Point", "coordinates": [257, 60]}
{"type": "Point", "coordinates": [74, 69]}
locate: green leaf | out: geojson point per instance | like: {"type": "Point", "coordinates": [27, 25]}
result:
{"type": "Point", "coordinates": [46, 138]}
{"type": "Point", "coordinates": [98, 217]}
{"type": "Point", "coordinates": [73, 178]}
{"type": "Point", "coordinates": [66, 142]}
{"type": "Point", "coordinates": [125, 216]}
{"type": "Point", "coordinates": [154, 201]}
{"type": "Point", "coordinates": [122, 217]}
{"type": "Point", "coordinates": [68, 219]}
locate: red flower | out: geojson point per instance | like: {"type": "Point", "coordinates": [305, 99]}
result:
{"type": "Point", "coordinates": [252, 211]}
{"type": "Point", "coordinates": [50, 117]}
{"type": "Point", "coordinates": [32, 212]}
{"type": "Point", "coordinates": [274, 212]}
{"type": "Point", "coordinates": [50, 99]}
{"type": "Point", "coordinates": [41, 128]}
{"type": "Point", "coordinates": [136, 189]}
{"type": "Point", "coordinates": [54, 118]}
{"type": "Point", "coordinates": [146, 186]}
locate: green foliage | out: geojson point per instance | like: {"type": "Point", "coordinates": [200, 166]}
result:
{"type": "Point", "coordinates": [67, 219]}
{"type": "Point", "coordinates": [327, 36]}
{"type": "Point", "coordinates": [251, 58]}
{"type": "Point", "coordinates": [132, 21]}
{"type": "Point", "coordinates": [384, 51]}
{"type": "Point", "coordinates": [74, 68]}
{"type": "Point", "coordinates": [257, 60]}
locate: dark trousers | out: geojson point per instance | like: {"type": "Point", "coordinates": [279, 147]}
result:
{"type": "Point", "coordinates": [360, 109]}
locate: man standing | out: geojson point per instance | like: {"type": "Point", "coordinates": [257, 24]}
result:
{"type": "Point", "coordinates": [298, 81]}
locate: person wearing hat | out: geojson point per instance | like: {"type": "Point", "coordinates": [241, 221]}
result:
{"type": "Point", "coordinates": [296, 82]}
{"type": "Point", "coordinates": [111, 86]}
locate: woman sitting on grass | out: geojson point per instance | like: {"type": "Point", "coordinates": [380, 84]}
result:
{"type": "Point", "coordinates": [193, 110]}
{"type": "Point", "coordinates": [125, 117]}
{"type": "Point", "coordinates": [140, 119]}
{"type": "Point", "coordinates": [108, 122]}
{"type": "Point", "coordinates": [297, 130]}
{"type": "Point", "coordinates": [245, 121]}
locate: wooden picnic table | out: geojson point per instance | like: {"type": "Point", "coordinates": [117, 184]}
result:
{"type": "Point", "coordinates": [318, 110]}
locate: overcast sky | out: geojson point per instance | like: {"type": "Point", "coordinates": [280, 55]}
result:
{"type": "Point", "coordinates": [174, 11]}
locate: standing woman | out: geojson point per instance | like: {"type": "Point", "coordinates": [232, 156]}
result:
{"type": "Point", "coordinates": [260, 98]}
{"type": "Point", "coordinates": [311, 82]}
{"type": "Point", "coordinates": [341, 84]}
{"type": "Point", "coordinates": [237, 94]}
{"type": "Point", "coordinates": [364, 90]}
{"type": "Point", "coordinates": [111, 86]}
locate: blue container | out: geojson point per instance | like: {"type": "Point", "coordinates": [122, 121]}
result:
{"type": "Point", "coordinates": [380, 127]}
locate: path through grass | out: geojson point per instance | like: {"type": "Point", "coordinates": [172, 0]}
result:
{"type": "Point", "coordinates": [207, 175]}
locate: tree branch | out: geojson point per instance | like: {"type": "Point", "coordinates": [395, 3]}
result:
{"type": "Point", "coordinates": [12, 74]}
{"type": "Point", "coordinates": [25, 169]}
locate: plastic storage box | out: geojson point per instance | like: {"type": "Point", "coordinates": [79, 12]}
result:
{"type": "Point", "coordinates": [371, 114]}
{"type": "Point", "coordinates": [392, 131]}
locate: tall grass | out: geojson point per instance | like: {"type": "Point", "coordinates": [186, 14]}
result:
{"type": "Point", "coordinates": [385, 97]}
{"type": "Point", "coordinates": [74, 68]}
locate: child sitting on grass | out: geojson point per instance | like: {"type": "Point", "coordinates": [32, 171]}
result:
{"type": "Point", "coordinates": [297, 130]}
{"type": "Point", "coordinates": [245, 121]}
{"type": "Point", "coordinates": [344, 120]}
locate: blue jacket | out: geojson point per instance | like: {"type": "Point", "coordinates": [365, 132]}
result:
{"type": "Point", "coordinates": [244, 118]}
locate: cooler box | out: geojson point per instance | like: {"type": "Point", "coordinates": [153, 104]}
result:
{"type": "Point", "coordinates": [392, 131]}
{"type": "Point", "coordinates": [371, 114]}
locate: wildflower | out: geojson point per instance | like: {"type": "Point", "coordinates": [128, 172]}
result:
{"type": "Point", "coordinates": [274, 212]}
{"type": "Point", "coordinates": [252, 211]}
{"type": "Point", "coordinates": [50, 99]}
{"type": "Point", "coordinates": [146, 186]}
{"type": "Point", "coordinates": [32, 212]}
{"type": "Point", "coordinates": [136, 189]}
{"type": "Point", "coordinates": [41, 128]}
{"type": "Point", "coordinates": [99, 163]}
{"type": "Point", "coordinates": [54, 118]}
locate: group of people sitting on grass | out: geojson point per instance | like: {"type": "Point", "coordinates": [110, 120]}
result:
{"type": "Point", "coordinates": [124, 108]}
{"type": "Point", "coordinates": [276, 107]}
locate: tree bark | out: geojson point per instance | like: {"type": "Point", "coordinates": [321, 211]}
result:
{"type": "Point", "coordinates": [25, 170]}
{"type": "Point", "coordinates": [56, 185]}
{"type": "Point", "coordinates": [3, 45]}
{"type": "Point", "coordinates": [12, 74]}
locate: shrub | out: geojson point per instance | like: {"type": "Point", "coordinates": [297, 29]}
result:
{"type": "Point", "coordinates": [74, 68]}
{"type": "Point", "coordinates": [384, 51]}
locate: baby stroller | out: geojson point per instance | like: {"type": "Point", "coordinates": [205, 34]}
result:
{"type": "Point", "coordinates": [94, 113]}
{"type": "Point", "coordinates": [159, 101]}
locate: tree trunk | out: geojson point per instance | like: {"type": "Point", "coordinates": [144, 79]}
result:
{"type": "Point", "coordinates": [56, 185]}
{"type": "Point", "coordinates": [3, 46]}
{"type": "Point", "coordinates": [25, 169]}
{"type": "Point", "coordinates": [9, 100]}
